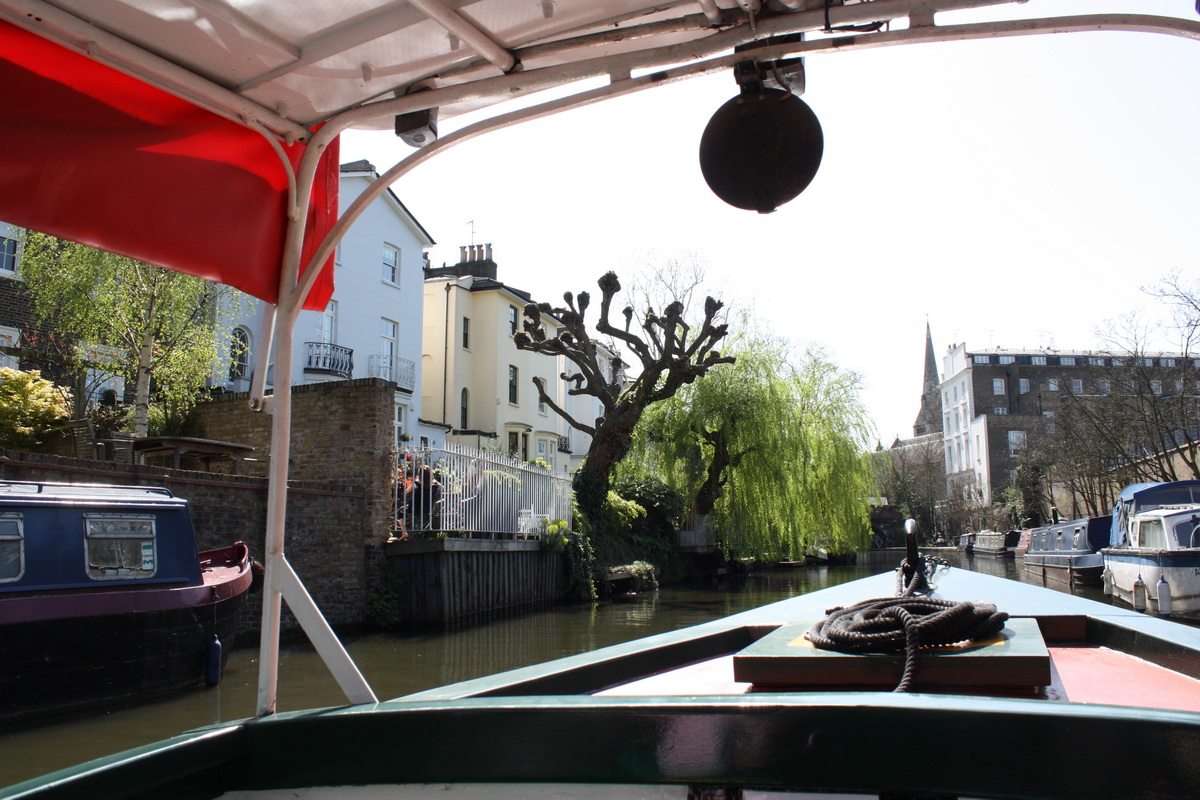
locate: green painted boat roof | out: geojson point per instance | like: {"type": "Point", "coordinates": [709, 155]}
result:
{"type": "Point", "coordinates": [530, 724]}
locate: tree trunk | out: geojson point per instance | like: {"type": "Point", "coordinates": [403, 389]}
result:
{"type": "Point", "coordinates": [714, 481]}
{"type": "Point", "coordinates": [141, 409]}
{"type": "Point", "coordinates": [592, 481]}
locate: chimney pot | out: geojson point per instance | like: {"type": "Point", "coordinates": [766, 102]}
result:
{"type": "Point", "coordinates": [489, 251]}
{"type": "Point", "coordinates": [462, 254]}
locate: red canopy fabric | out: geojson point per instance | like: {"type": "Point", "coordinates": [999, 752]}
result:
{"type": "Point", "coordinates": [90, 154]}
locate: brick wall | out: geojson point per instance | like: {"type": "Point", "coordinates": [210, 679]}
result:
{"type": "Point", "coordinates": [339, 501]}
{"type": "Point", "coordinates": [16, 310]}
{"type": "Point", "coordinates": [341, 431]}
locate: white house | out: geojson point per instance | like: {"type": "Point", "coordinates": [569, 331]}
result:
{"type": "Point", "coordinates": [372, 325]}
{"type": "Point", "coordinates": [10, 324]}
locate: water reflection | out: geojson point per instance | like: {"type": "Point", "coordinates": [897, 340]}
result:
{"type": "Point", "coordinates": [397, 665]}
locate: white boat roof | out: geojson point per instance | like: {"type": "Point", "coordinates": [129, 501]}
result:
{"type": "Point", "coordinates": [291, 64]}
{"type": "Point", "coordinates": [1169, 511]}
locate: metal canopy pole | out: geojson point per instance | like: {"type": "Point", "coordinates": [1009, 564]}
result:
{"type": "Point", "coordinates": [281, 580]}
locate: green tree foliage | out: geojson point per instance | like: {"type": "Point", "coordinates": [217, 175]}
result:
{"type": "Point", "coordinates": [664, 506]}
{"type": "Point", "coordinates": [31, 408]}
{"type": "Point", "coordinates": [774, 449]}
{"type": "Point", "coordinates": [138, 321]}
{"type": "Point", "coordinates": [652, 534]}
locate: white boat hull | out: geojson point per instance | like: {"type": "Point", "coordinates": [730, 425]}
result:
{"type": "Point", "coordinates": [1180, 567]}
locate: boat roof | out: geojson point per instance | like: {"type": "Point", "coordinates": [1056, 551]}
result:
{"type": "Point", "coordinates": [479, 731]}
{"type": "Point", "coordinates": [174, 131]}
{"type": "Point", "coordinates": [1136, 491]}
{"type": "Point", "coordinates": [41, 490]}
{"type": "Point", "coordinates": [1169, 511]}
{"type": "Point", "coordinates": [1015, 598]}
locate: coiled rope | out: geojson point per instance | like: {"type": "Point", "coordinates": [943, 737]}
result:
{"type": "Point", "coordinates": [906, 623]}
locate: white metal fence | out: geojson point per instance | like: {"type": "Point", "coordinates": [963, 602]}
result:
{"type": "Point", "coordinates": [458, 491]}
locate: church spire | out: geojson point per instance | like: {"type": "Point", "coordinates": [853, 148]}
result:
{"type": "Point", "coordinates": [929, 418]}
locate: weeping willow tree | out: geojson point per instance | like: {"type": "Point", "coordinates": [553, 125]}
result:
{"type": "Point", "coordinates": [774, 450]}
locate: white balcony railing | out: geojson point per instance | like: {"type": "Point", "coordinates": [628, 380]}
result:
{"type": "Point", "coordinates": [401, 371]}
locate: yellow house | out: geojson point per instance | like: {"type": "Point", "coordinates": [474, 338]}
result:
{"type": "Point", "coordinates": [474, 378]}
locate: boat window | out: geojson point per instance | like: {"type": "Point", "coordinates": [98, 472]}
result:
{"type": "Point", "coordinates": [120, 546]}
{"type": "Point", "coordinates": [1076, 540]}
{"type": "Point", "coordinates": [1152, 537]}
{"type": "Point", "coordinates": [1187, 532]}
{"type": "Point", "coordinates": [12, 548]}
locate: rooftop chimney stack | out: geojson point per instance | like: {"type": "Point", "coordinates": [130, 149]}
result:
{"type": "Point", "coordinates": [474, 260]}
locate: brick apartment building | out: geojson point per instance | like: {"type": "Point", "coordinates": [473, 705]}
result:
{"type": "Point", "coordinates": [993, 401]}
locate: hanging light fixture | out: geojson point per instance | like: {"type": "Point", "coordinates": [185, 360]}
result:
{"type": "Point", "coordinates": [763, 147]}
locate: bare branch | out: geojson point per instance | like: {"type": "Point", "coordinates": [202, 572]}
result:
{"type": "Point", "coordinates": [548, 400]}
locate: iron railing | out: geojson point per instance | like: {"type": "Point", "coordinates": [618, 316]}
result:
{"type": "Point", "coordinates": [329, 359]}
{"type": "Point", "coordinates": [462, 492]}
{"type": "Point", "coordinates": [401, 371]}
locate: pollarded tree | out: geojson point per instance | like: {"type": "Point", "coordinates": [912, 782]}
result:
{"type": "Point", "coordinates": [140, 321]}
{"type": "Point", "coordinates": [775, 450]}
{"type": "Point", "coordinates": [671, 354]}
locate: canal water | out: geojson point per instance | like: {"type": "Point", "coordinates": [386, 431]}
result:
{"type": "Point", "coordinates": [396, 664]}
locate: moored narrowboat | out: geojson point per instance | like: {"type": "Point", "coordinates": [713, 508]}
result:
{"type": "Point", "coordinates": [105, 600]}
{"type": "Point", "coordinates": [1068, 550]}
{"type": "Point", "coordinates": [1002, 544]}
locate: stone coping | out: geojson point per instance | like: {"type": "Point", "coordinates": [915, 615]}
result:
{"type": "Point", "coordinates": [412, 547]}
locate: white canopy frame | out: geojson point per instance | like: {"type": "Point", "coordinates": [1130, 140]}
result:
{"type": "Point", "coordinates": [717, 31]}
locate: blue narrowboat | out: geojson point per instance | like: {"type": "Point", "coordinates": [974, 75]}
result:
{"type": "Point", "coordinates": [1069, 550]}
{"type": "Point", "coordinates": [104, 598]}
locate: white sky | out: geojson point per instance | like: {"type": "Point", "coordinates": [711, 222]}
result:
{"type": "Point", "coordinates": [1013, 193]}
